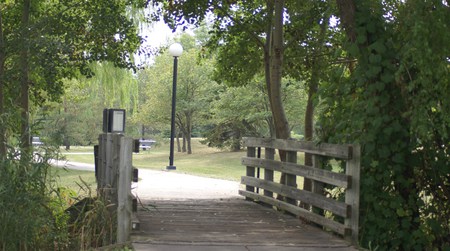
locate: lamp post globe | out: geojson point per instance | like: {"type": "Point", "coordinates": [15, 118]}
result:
{"type": "Point", "coordinates": [175, 50]}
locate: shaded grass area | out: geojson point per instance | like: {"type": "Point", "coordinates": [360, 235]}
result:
{"type": "Point", "coordinates": [76, 180]}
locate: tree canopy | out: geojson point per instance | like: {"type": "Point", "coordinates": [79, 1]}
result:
{"type": "Point", "coordinates": [44, 42]}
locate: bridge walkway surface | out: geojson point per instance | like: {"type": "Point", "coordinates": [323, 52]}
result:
{"type": "Point", "coordinates": [232, 224]}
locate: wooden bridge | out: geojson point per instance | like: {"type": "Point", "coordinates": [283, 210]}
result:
{"type": "Point", "coordinates": [230, 224]}
{"type": "Point", "coordinates": [296, 220]}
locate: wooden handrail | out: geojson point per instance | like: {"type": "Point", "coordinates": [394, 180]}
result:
{"type": "Point", "coordinates": [349, 181]}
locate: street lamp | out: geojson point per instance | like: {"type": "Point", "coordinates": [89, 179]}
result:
{"type": "Point", "coordinates": [175, 50]}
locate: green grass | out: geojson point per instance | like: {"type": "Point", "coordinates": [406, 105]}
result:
{"type": "Point", "coordinates": [73, 179]}
{"type": "Point", "coordinates": [204, 161]}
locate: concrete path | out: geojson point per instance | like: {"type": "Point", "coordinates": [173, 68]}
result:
{"type": "Point", "coordinates": [170, 185]}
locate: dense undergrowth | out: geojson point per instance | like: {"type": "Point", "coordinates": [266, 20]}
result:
{"type": "Point", "coordinates": [37, 214]}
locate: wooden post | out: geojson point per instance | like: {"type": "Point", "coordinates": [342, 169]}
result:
{"type": "Point", "coordinates": [352, 193]}
{"type": "Point", "coordinates": [268, 174]}
{"type": "Point", "coordinates": [317, 186]}
{"type": "Point", "coordinates": [114, 177]}
{"type": "Point", "coordinates": [250, 170]}
{"type": "Point", "coordinates": [124, 208]}
{"type": "Point", "coordinates": [291, 180]}
{"type": "Point", "coordinates": [109, 145]}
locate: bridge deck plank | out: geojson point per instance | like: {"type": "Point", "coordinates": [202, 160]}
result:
{"type": "Point", "coordinates": [227, 222]}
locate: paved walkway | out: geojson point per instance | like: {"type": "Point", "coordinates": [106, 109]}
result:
{"type": "Point", "coordinates": [170, 185]}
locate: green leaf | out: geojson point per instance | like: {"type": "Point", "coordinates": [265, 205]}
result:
{"type": "Point", "coordinates": [398, 158]}
{"type": "Point", "coordinates": [374, 58]}
{"type": "Point", "coordinates": [361, 39]}
{"type": "Point", "coordinates": [374, 164]}
{"type": "Point", "coordinates": [387, 77]}
{"type": "Point", "coordinates": [401, 212]}
{"type": "Point", "coordinates": [353, 49]}
{"type": "Point", "coordinates": [378, 46]}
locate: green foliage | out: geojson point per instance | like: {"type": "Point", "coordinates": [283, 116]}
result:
{"type": "Point", "coordinates": [393, 104]}
{"type": "Point", "coordinates": [65, 37]}
{"type": "Point", "coordinates": [93, 223]}
{"type": "Point", "coordinates": [243, 111]}
{"type": "Point", "coordinates": [32, 216]}
{"type": "Point", "coordinates": [195, 90]}
{"type": "Point", "coordinates": [77, 120]}
{"type": "Point", "coordinates": [35, 212]}
{"type": "Point", "coordinates": [59, 42]}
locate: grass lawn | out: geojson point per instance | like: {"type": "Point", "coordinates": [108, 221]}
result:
{"type": "Point", "coordinates": [204, 161]}
{"type": "Point", "coordinates": [74, 179]}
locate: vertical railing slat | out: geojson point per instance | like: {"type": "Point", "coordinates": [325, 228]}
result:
{"type": "Point", "coordinates": [291, 179]}
{"type": "Point", "coordinates": [352, 193]}
{"type": "Point", "coordinates": [250, 170]}
{"type": "Point", "coordinates": [269, 154]}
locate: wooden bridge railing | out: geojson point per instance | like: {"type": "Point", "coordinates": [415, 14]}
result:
{"type": "Point", "coordinates": [293, 196]}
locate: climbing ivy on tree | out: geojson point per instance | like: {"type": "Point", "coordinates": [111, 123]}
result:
{"type": "Point", "coordinates": [395, 102]}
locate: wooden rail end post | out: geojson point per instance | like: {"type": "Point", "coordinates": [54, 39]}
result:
{"type": "Point", "coordinates": [124, 208]}
{"type": "Point", "coordinates": [352, 193]}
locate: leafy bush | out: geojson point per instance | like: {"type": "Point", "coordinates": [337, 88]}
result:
{"type": "Point", "coordinates": [32, 216]}
{"type": "Point", "coordinates": [36, 214]}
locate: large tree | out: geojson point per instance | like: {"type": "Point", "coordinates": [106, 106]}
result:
{"type": "Point", "coordinates": [394, 100]}
{"type": "Point", "coordinates": [44, 42]}
{"type": "Point", "coordinates": [252, 31]}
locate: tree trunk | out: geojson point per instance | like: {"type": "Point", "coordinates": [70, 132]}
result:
{"type": "Point", "coordinates": [178, 142]}
{"type": "Point", "coordinates": [282, 130]}
{"type": "Point", "coordinates": [312, 90]}
{"type": "Point", "coordinates": [24, 80]}
{"type": "Point", "coordinates": [281, 123]}
{"type": "Point", "coordinates": [189, 131]}
{"type": "Point", "coordinates": [183, 148]}
{"type": "Point", "coordinates": [2, 90]}
{"type": "Point", "coordinates": [267, 70]}
{"type": "Point", "coordinates": [347, 10]}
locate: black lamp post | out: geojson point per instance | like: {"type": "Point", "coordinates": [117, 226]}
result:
{"type": "Point", "coordinates": [175, 50]}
